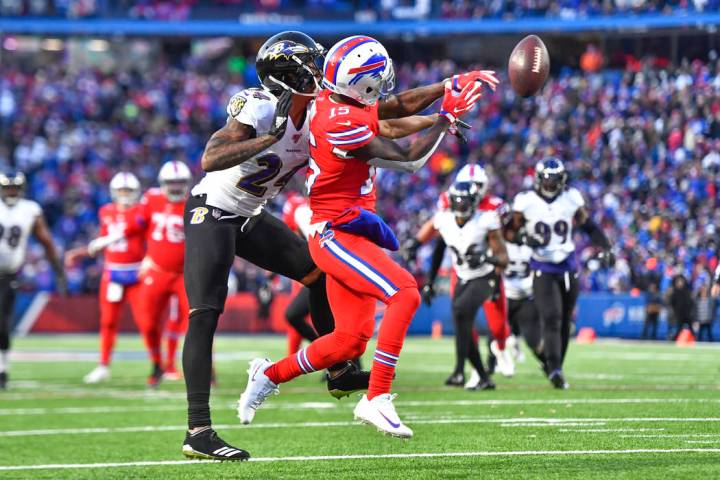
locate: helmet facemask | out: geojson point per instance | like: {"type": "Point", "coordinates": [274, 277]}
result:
{"type": "Point", "coordinates": [175, 190]}
{"type": "Point", "coordinates": [463, 199]}
{"type": "Point", "coordinates": [124, 196]}
{"type": "Point", "coordinates": [550, 178]}
{"type": "Point", "coordinates": [12, 188]}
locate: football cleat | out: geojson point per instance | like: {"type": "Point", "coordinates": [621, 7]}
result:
{"type": "Point", "coordinates": [513, 344]}
{"type": "Point", "coordinates": [101, 373]}
{"type": "Point", "coordinates": [455, 380]}
{"type": "Point", "coordinates": [3, 380]}
{"type": "Point", "coordinates": [155, 377]}
{"type": "Point", "coordinates": [259, 387]}
{"type": "Point", "coordinates": [486, 384]}
{"type": "Point", "coordinates": [349, 381]}
{"type": "Point", "coordinates": [505, 363]}
{"type": "Point", "coordinates": [473, 381]}
{"type": "Point", "coordinates": [557, 378]}
{"type": "Point", "coordinates": [206, 445]}
{"type": "Point", "coordinates": [171, 374]}
{"type": "Point", "coordinates": [380, 413]}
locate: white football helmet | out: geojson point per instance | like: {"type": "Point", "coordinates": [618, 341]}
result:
{"type": "Point", "coordinates": [475, 174]}
{"type": "Point", "coordinates": [125, 189]}
{"type": "Point", "coordinates": [359, 67]}
{"type": "Point", "coordinates": [174, 179]}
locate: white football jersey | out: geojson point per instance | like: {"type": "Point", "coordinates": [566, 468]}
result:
{"type": "Point", "coordinates": [551, 221]}
{"type": "Point", "coordinates": [244, 189]}
{"type": "Point", "coordinates": [517, 277]}
{"type": "Point", "coordinates": [471, 236]}
{"type": "Point", "coordinates": [16, 224]}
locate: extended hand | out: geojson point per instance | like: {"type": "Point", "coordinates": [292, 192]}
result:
{"type": "Point", "coordinates": [282, 115]}
{"type": "Point", "coordinates": [455, 105]}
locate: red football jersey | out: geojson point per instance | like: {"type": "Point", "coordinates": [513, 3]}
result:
{"type": "Point", "coordinates": [130, 222]}
{"type": "Point", "coordinates": [291, 205]}
{"type": "Point", "coordinates": [488, 203]}
{"type": "Point", "coordinates": [165, 235]}
{"type": "Point", "coordinates": [336, 181]}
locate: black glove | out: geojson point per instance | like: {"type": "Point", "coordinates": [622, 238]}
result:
{"type": "Point", "coordinates": [428, 294]}
{"type": "Point", "coordinates": [455, 130]}
{"type": "Point", "coordinates": [606, 258]}
{"type": "Point", "coordinates": [282, 114]}
{"type": "Point", "coordinates": [532, 241]}
{"type": "Point", "coordinates": [475, 259]}
{"type": "Point", "coordinates": [409, 249]}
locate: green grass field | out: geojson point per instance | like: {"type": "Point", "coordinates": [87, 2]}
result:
{"type": "Point", "coordinates": [633, 411]}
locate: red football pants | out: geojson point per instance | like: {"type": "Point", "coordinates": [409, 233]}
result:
{"type": "Point", "coordinates": [110, 314]}
{"type": "Point", "coordinates": [157, 287]}
{"type": "Point", "coordinates": [359, 273]}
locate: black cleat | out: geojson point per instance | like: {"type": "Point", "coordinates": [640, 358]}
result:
{"type": "Point", "coordinates": [349, 381]}
{"type": "Point", "coordinates": [484, 385]}
{"type": "Point", "coordinates": [455, 380]}
{"type": "Point", "coordinates": [558, 380]}
{"type": "Point", "coordinates": [3, 380]}
{"type": "Point", "coordinates": [206, 445]}
{"type": "Point", "coordinates": [155, 377]}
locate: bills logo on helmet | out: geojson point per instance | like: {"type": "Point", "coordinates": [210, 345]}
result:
{"type": "Point", "coordinates": [374, 67]}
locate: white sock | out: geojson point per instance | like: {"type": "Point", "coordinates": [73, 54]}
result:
{"type": "Point", "coordinates": [4, 361]}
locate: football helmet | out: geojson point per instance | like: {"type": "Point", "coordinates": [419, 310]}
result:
{"type": "Point", "coordinates": [125, 189]}
{"type": "Point", "coordinates": [174, 179]}
{"type": "Point", "coordinates": [12, 187]}
{"type": "Point", "coordinates": [550, 177]}
{"type": "Point", "coordinates": [359, 67]}
{"type": "Point", "coordinates": [463, 198]}
{"type": "Point", "coordinates": [290, 61]}
{"type": "Point", "coordinates": [475, 174]}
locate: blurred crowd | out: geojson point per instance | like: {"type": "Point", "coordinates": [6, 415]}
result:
{"type": "Point", "coordinates": [398, 9]}
{"type": "Point", "coordinates": [642, 143]}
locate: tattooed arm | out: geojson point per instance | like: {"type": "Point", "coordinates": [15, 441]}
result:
{"type": "Point", "coordinates": [232, 145]}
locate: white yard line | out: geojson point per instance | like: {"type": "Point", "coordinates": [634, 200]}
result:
{"type": "Point", "coordinates": [520, 422]}
{"type": "Point", "coordinates": [674, 435]}
{"type": "Point", "coordinates": [517, 453]}
{"type": "Point", "coordinates": [332, 405]}
{"type": "Point", "coordinates": [609, 430]}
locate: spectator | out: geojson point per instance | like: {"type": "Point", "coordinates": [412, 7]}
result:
{"type": "Point", "coordinates": [653, 307]}
{"type": "Point", "coordinates": [705, 314]}
{"type": "Point", "coordinates": [682, 304]}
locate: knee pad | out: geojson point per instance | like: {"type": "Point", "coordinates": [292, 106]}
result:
{"type": "Point", "coordinates": [410, 297]}
{"type": "Point", "coordinates": [350, 345]}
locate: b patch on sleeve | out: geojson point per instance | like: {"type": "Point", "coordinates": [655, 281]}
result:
{"type": "Point", "coordinates": [236, 104]}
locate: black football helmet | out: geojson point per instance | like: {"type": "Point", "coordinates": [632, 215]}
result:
{"type": "Point", "coordinates": [550, 177]}
{"type": "Point", "coordinates": [464, 198]}
{"type": "Point", "coordinates": [291, 61]}
{"type": "Point", "coordinates": [12, 187]}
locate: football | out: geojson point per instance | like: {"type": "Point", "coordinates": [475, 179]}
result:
{"type": "Point", "coordinates": [529, 66]}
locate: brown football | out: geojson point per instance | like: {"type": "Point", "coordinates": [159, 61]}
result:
{"type": "Point", "coordinates": [529, 66]}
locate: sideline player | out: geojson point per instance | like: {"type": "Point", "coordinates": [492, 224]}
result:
{"type": "Point", "coordinates": [469, 233]}
{"type": "Point", "coordinates": [123, 256]}
{"type": "Point", "coordinates": [161, 275]}
{"type": "Point", "coordinates": [263, 144]}
{"type": "Point", "coordinates": [19, 218]}
{"type": "Point", "coordinates": [495, 307]}
{"type": "Point", "coordinates": [545, 219]}
{"type": "Point", "coordinates": [347, 237]}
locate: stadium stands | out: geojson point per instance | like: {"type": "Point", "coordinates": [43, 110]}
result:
{"type": "Point", "coordinates": [642, 143]}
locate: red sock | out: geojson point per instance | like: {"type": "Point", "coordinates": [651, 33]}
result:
{"type": "Point", "coordinates": [398, 315]}
{"type": "Point", "coordinates": [320, 354]}
{"type": "Point", "coordinates": [496, 315]}
{"type": "Point", "coordinates": [294, 340]}
{"type": "Point", "coordinates": [107, 342]}
{"type": "Point", "coordinates": [173, 333]}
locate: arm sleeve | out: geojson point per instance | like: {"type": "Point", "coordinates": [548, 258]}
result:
{"type": "Point", "coordinates": [436, 260]}
{"type": "Point", "coordinates": [597, 236]}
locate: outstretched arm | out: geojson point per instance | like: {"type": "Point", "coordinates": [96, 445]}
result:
{"type": "Point", "coordinates": [402, 127]}
{"type": "Point", "coordinates": [592, 229]}
{"type": "Point", "coordinates": [410, 102]}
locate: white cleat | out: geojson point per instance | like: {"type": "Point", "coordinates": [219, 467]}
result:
{"type": "Point", "coordinates": [380, 413]}
{"type": "Point", "coordinates": [259, 387]}
{"type": "Point", "coordinates": [513, 344]}
{"type": "Point", "coordinates": [473, 381]}
{"type": "Point", "coordinates": [101, 373]}
{"type": "Point", "coordinates": [505, 363]}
